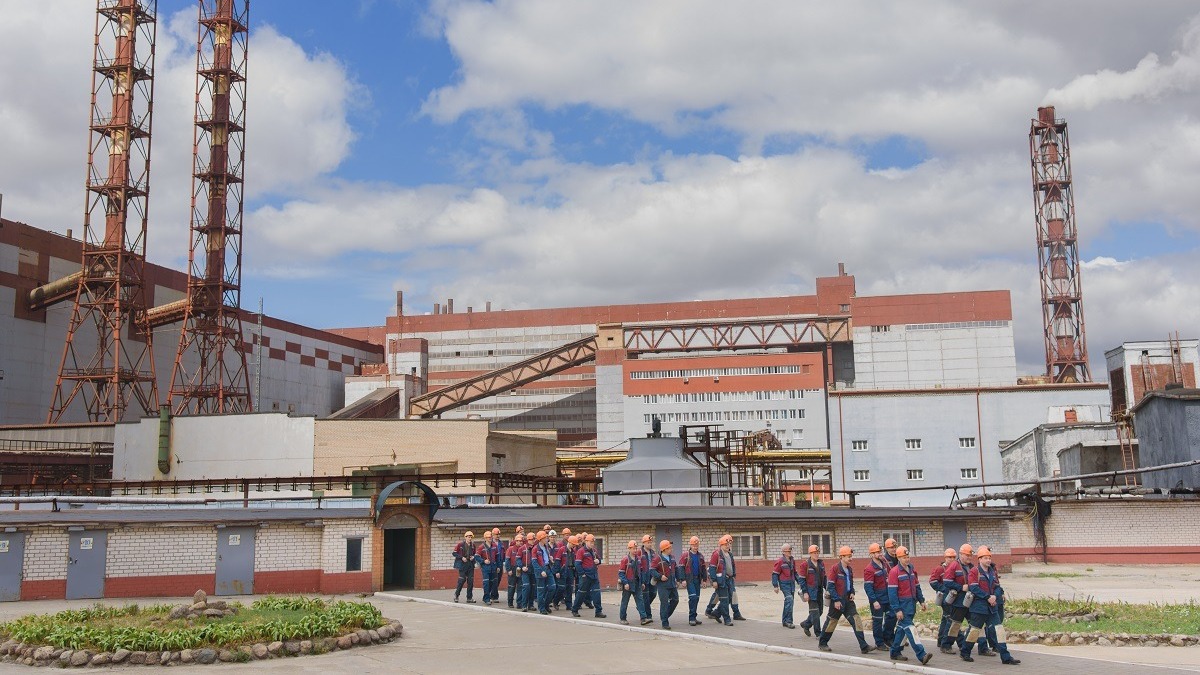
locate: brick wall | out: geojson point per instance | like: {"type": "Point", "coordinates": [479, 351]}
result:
{"type": "Point", "coordinates": [177, 550]}
{"type": "Point", "coordinates": [287, 547]}
{"type": "Point", "coordinates": [333, 544]}
{"type": "Point", "coordinates": [46, 554]}
{"type": "Point", "coordinates": [1141, 531]}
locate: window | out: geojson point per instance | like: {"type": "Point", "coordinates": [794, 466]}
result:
{"type": "Point", "coordinates": [858, 445]}
{"type": "Point", "coordinates": [903, 538]}
{"type": "Point", "coordinates": [966, 442]}
{"type": "Point", "coordinates": [600, 549]}
{"type": "Point", "coordinates": [823, 542]}
{"type": "Point", "coordinates": [916, 474]}
{"type": "Point", "coordinates": [862, 474]}
{"type": "Point", "coordinates": [881, 329]}
{"type": "Point", "coordinates": [354, 554]}
{"type": "Point", "coordinates": [797, 434]}
{"type": "Point", "coordinates": [969, 474]}
{"type": "Point", "coordinates": [844, 308]}
{"type": "Point", "coordinates": [498, 462]}
{"type": "Point", "coordinates": [747, 545]}
{"type": "Point", "coordinates": [912, 444]}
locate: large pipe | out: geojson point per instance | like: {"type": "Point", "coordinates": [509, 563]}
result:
{"type": "Point", "coordinates": [164, 439]}
{"type": "Point", "coordinates": [54, 292]}
{"type": "Point", "coordinates": [163, 315]}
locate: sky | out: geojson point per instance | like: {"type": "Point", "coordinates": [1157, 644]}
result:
{"type": "Point", "coordinates": [541, 153]}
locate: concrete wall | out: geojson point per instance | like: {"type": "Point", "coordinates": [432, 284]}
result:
{"type": "Point", "coordinates": [1168, 431]}
{"type": "Point", "coordinates": [942, 420]}
{"type": "Point", "coordinates": [1036, 453]}
{"type": "Point", "coordinates": [1084, 458]}
{"type": "Point", "coordinates": [63, 433]}
{"type": "Point", "coordinates": [906, 356]}
{"type": "Point", "coordinates": [1121, 531]}
{"type": "Point", "coordinates": [228, 446]}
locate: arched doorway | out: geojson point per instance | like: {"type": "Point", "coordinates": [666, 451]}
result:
{"type": "Point", "coordinates": [400, 551]}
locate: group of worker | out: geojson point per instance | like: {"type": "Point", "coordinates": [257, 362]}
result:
{"type": "Point", "coordinates": [546, 572]}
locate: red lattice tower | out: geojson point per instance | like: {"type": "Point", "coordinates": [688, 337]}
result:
{"type": "Point", "coordinates": [1058, 252]}
{"type": "Point", "coordinates": [217, 381]}
{"type": "Point", "coordinates": [108, 361]}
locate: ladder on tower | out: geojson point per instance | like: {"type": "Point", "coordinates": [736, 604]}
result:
{"type": "Point", "coordinates": [1176, 358]}
{"type": "Point", "coordinates": [1125, 437]}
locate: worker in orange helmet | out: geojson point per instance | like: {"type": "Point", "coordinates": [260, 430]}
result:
{"type": "Point", "coordinates": [889, 553]}
{"type": "Point", "coordinates": [955, 583]}
{"type": "Point", "coordinates": [904, 594]}
{"type": "Point", "coordinates": [730, 575]}
{"type": "Point", "coordinates": [783, 579]}
{"type": "Point", "coordinates": [666, 580]}
{"type": "Point", "coordinates": [629, 577]}
{"type": "Point", "coordinates": [566, 583]}
{"type": "Point", "coordinates": [812, 589]}
{"type": "Point", "coordinates": [646, 551]}
{"type": "Point", "coordinates": [695, 573]}
{"type": "Point", "coordinates": [939, 600]}
{"type": "Point", "coordinates": [464, 562]}
{"type": "Point", "coordinates": [487, 556]}
{"type": "Point", "coordinates": [542, 564]}
{"type": "Point", "coordinates": [875, 584]}
{"type": "Point", "coordinates": [513, 560]}
{"type": "Point", "coordinates": [720, 566]}
{"type": "Point", "coordinates": [841, 593]}
{"type": "Point", "coordinates": [587, 561]}
{"type": "Point", "coordinates": [987, 608]}
{"type": "Point", "coordinates": [498, 568]}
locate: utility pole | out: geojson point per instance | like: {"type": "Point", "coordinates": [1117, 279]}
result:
{"type": "Point", "coordinates": [258, 360]}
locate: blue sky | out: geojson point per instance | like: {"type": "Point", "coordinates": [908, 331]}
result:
{"type": "Point", "coordinates": [539, 153]}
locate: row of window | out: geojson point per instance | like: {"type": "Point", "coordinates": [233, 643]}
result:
{"type": "Point", "coordinates": [727, 415]}
{"type": "Point", "coordinates": [863, 475]}
{"type": "Point", "coordinates": [726, 396]}
{"type": "Point", "coordinates": [912, 443]}
{"type": "Point", "coordinates": [717, 372]}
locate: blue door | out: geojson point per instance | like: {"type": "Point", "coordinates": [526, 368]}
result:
{"type": "Point", "coordinates": [235, 560]}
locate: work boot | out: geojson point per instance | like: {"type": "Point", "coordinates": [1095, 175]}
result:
{"type": "Point", "coordinates": [601, 616]}
{"type": "Point", "coordinates": [966, 657]}
{"type": "Point", "coordinates": [728, 623]}
{"type": "Point", "coordinates": [987, 652]}
{"type": "Point", "coordinates": [647, 620]}
{"type": "Point", "coordinates": [807, 630]}
{"type": "Point", "coordinates": [693, 622]}
{"type": "Point", "coordinates": [824, 647]}
{"type": "Point", "coordinates": [1012, 662]}
{"type": "Point", "coordinates": [925, 659]}
{"type": "Point", "coordinates": [456, 598]}
{"type": "Point", "coordinates": [738, 617]}
{"type": "Point", "coordinates": [866, 649]}
{"type": "Point", "coordinates": [789, 625]}
{"type": "Point", "coordinates": [666, 627]}
{"type": "Point", "coordinates": [470, 601]}
{"type": "Point", "coordinates": [900, 657]}
{"type": "Point", "coordinates": [574, 613]}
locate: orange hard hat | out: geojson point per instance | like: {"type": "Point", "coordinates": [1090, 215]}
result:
{"type": "Point", "coordinates": [520, 537]}
{"type": "Point", "coordinates": [632, 544]}
{"type": "Point", "coordinates": [589, 537]}
{"type": "Point", "coordinates": [646, 539]}
{"type": "Point", "coordinates": [541, 535]}
{"type": "Point", "coordinates": [694, 541]}
{"type": "Point", "coordinates": [487, 534]}
{"type": "Point", "coordinates": [664, 545]}
{"type": "Point", "coordinates": [874, 548]}
{"type": "Point", "coordinates": [495, 530]}
{"type": "Point", "coordinates": [725, 539]}
{"type": "Point", "coordinates": [573, 540]}
{"type": "Point", "coordinates": [890, 543]}
{"type": "Point", "coordinates": [901, 551]}
{"type": "Point", "coordinates": [566, 531]}
{"type": "Point", "coordinates": [469, 534]}
{"type": "Point", "coordinates": [845, 550]}
{"type": "Point", "coordinates": [813, 548]}
{"type": "Point", "coordinates": [983, 550]}
{"type": "Point", "coordinates": [950, 553]}
{"type": "Point", "coordinates": [520, 528]}
{"type": "Point", "coordinates": [966, 549]}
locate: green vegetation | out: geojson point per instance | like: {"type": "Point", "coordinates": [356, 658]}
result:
{"type": "Point", "coordinates": [1056, 575]}
{"type": "Point", "coordinates": [106, 628]}
{"type": "Point", "coordinates": [1054, 616]}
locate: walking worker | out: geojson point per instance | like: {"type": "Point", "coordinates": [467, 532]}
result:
{"type": "Point", "coordinates": [695, 573]}
{"type": "Point", "coordinates": [890, 557]}
{"type": "Point", "coordinates": [566, 554]}
{"type": "Point", "coordinates": [512, 565]}
{"type": "Point", "coordinates": [875, 583]}
{"type": "Point", "coordinates": [666, 582]}
{"type": "Point", "coordinates": [464, 562]}
{"type": "Point", "coordinates": [488, 556]}
{"type": "Point", "coordinates": [904, 593]}
{"type": "Point", "coordinates": [629, 576]}
{"type": "Point", "coordinates": [720, 567]}
{"type": "Point", "coordinates": [542, 560]}
{"type": "Point", "coordinates": [812, 589]}
{"type": "Point", "coordinates": [648, 592]}
{"type": "Point", "coordinates": [528, 583]}
{"type": "Point", "coordinates": [586, 562]}
{"type": "Point", "coordinates": [939, 600]}
{"type": "Point", "coordinates": [987, 609]}
{"type": "Point", "coordinates": [730, 578]}
{"type": "Point", "coordinates": [587, 599]}
{"type": "Point", "coordinates": [498, 572]}
{"type": "Point", "coordinates": [783, 578]}
{"type": "Point", "coordinates": [954, 583]}
{"type": "Point", "coordinates": [841, 594]}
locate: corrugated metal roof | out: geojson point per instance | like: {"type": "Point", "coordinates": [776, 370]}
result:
{"type": "Point", "coordinates": [470, 517]}
{"type": "Point", "coordinates": [176, 515]}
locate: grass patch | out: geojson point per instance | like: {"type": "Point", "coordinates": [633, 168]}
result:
{"type": "Point", "coordinates": [1114, 617]}
{"type": "Point", "coordinates": [108, 628]}
{"type": "Point", "coordinates": [1056, 575]}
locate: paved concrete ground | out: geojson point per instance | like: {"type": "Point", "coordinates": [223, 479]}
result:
{"type": "Point", "coordinates": [1107, 583]}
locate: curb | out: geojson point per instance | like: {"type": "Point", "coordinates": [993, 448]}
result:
{"type": "Point", "coordinates": [728, 642]}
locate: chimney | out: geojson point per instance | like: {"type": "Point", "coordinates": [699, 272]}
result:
{"type": "Point", "coordinates": [437, 308]}
{"type": "Point", "coordinates": [488, 306]}
{"type": "Point", "coordinates": [399, 303]}
{"type": "Point", "coordinates": [470, 309]}
{"type": "Point", "coordinates": [1046, 115]}
{"type": "Point", "coordinates": [450, 306]}
{"type": "Point", "coordinates": [841, 269]}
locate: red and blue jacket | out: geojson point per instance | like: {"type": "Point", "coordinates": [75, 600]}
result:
{"type": "Point", "coordinates": [875, 581]}
{"type": "Point", "coordinates": [935, 577]}
{"type": "Point", "coordinates": [983, 583]}
{"type": "Point", "coordinates": [785, 571]}
{"type": "Point", "coordinates": [716, 568]}
{"type": "Point", "coordinates": [517, 558]}
{"type": "Point", "coordinates": [488, 554]}
{"type": "Point", "coordinates": [692, 564]}
{"type": "Point", "coordinates": [586, 562]}
{"type": "Point", "coordinates": [542, 559]}
{"type": "Point", "coordinates": [464, 550]}
{"type": "Point", "coordinates": [814, 579]}
{"type": "Point", "coordinates": [666, 566]}
{"type": "Point", "coordinates": [841, 583]}
{"type": "Point", "coordinates": [904, 587]}
{"type": "Point", "coordinates": [630, 571]}
{"type": "Point", "coordinates": [954, 578]}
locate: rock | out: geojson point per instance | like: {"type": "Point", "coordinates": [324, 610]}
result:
{"type": "Point", "coordinates": [121, 655]}
{"type": "Point", "coordinates": [306, 646]}
{"type": "Point", "coordinates": [1080, 641]}
{"type": "Point", "coordinates": [28, 661]}
{"type": "Point", "coordinates": [1064, 640]}
{"type": "Point", "coordinates": [385, 632]}
{"type": "Point", "coordinates": [329, 644]}
{"type": "Point", "coordinates": [259, 650]}
{"type": "Point", "coordinates": [164, 659]}
{"type": "Point", "coordinates": [206, 656]}
{"type": "Point", "coordinates": [226, 655]}
{"type": "Point", "coordinates": [218, 604]}
{"type": "Point", "coordinates": [214, 613]}
{"type": "Point", "coordinates": [345, 642]}
{"type": "Point", "coordinates": [56, 654]}
{"type": "Point", "coordinates": [1178, 641]}
{"type": "Point", "coordinates": [1104, 642]}
{"type": "Point", "coordinates": [228, 612]}
{"type": "Point", "coordinates": [364, 637]}
{"type": "Point", "coordinates": [1120, 643]}
{"type": "Point", "coordinates": [7, 647]}
{"type": "Point", "coordinates": [102, 659]}
{"type": "Point", "coordinates": [81, 658]}
{"type": "Point", "coordinates": [1150, 643]}
{"type": "Point", "coordinates": [275, 647]}
{"type": "Point", "coordinates": [43, 653]}
{"type": "Point", "coordinates": [152, 658]}
{"type": "Point", "coordinates": [292, 647]}
{"type": "Point", "coordinates": [187, 656]}
{"type": "Point", "coordinates": [137, 658]}
{"type": "Point", "coordinates": [198, 606]}
{"type": "Point", "coordinates": [397, 629]}
{"type": "Point", "coordinates": [179, 612]}
{"type": "Point", "coordinates": [199, 596]}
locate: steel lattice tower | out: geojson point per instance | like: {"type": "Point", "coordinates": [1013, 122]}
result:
{"type": "Point", "coordinates": [212, 326]}
{"type": "Point", "coordinates": [1058, 252]}
{"type": "Point", "coordinates": [117, 367]}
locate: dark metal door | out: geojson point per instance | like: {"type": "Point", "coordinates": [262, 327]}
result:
{"type": "Point", "coordinates": [86, 564]}
{"type": "Point", "coordinates": [12, 563]}
{"type": "Point", "coordinates": [673, 534]}
{"type": "Point", "coordinates": [954, 534]}
{"type": "Point", "coordinates": [235, 560]}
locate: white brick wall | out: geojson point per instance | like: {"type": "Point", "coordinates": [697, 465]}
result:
{"type": "Point", "coordinates": [280, 547]}
{"type": "Point", "coordinates": [333, 544]}
{"type": "Point", "coordinates": [46, 554]}
{"type": "Point", "coordinates": [1096, 524]}
{"type": "Point", "coordinates": [136, 551]}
